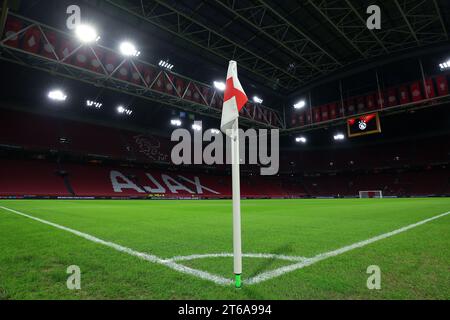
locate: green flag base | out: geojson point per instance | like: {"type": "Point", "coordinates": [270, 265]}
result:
{"type": "Point", "coordinates": [238, 281]}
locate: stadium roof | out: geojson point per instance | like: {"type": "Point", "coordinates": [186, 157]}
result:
{"type": "Point", "coordinates": [288, 44]}
{"type": "Point", "coordinates": [283, 47]}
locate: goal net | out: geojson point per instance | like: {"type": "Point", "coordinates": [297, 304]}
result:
{"type": "Point", "coordinates": [371, 194]}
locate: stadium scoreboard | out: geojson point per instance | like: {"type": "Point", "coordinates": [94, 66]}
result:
{"type": "Point", "coordinates": [363, 125]}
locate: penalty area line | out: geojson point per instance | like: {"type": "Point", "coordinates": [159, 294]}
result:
{"type": "Point", "coordinates": [280, 271]}
{"type": "Point", "coordinates": [144, 256]}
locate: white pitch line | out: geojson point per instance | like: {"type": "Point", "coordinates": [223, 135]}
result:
{"type": "Point", "coordinates": [148, 257]}
{"type": "Point", "coordinates": [245, 255]}
{"type": "Point", "coordinates": [280, 271]}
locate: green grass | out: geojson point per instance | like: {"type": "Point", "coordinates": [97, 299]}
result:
{"type": "Point", "coordinates": [414, 264]}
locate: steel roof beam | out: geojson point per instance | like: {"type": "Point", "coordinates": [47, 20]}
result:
{"type": "Point", "coordinates": [411, 29]}
{"type": "Point", "coordinates": [364, 23]}
{"type": "Point", "coordinates": [212, 41]}
{"type": "Point", "coordinates": [320, 10]}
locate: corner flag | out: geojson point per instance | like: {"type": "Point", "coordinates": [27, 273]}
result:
{"type": "Point", "coordinates": [234, 100]}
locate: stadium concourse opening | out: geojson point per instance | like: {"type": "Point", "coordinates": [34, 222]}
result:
{"type": "Point", "coordinates": [358, 96]}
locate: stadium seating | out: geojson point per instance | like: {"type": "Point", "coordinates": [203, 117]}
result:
{"type": "Point", "coordinates": [310, 173]}
{"type": "Point", "coordinates": [31, 178]}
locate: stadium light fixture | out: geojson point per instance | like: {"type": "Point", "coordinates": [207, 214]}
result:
{"type": "Point", "coordinates": [300, 105]}
{"type": "Point", "coordinates": [444, 65]}
{"type": "Point", "coordinates": [123, 110]}
{"type": "Point", "coordinates": [57, 95]}
{"type": "Point", "coordinates": [196, 127]}
{"type": "Point", "coordinates": [93, 104]}
{"type": "Point", "coordinates": [86, 33]}
{"type": "Point", "coordinates": [339, 137]}
{"type": "Point", "coordinates": [219, 85]}
{"type": "Point", "coordinates": [257, 100]}
{"type": "Point", "coordinates": [176, 122]}
{"type": "Point", "coordinates": [215, 131]}
{"type": "Point", "coordinates": [166, 65]}
{"type": "Point", "coordinates": [301, 140]}
{"type": "Point", "coordinates": [128, 49]}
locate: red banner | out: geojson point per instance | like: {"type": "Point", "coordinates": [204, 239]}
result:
{"type": "Point", "coordinates": [442, 85]}
{"type": "Point", "coordinates": [332, 107]}
{"type": "Point", "coordinates": [49, 47]}
{"type": "Point", "coordinates": [31, 40]}
{"type": "Point", "coordinates": [316, 114]}
{"type": "Point", "coordinates": [351, 107]}
{"type": "Point", "coordinates": [370, 102]}
{"type": "Point", "coordinates": [301, 119]}
{"type": "Point", "coordinates": [381, 101]}
{"type": "Point", "coordinates": [392, 97]}
{"type": "Point", "coordinates": [404, 95]}
{"type": "Point", "coordinates": [416, 92]}
{"type": "Point", "coordinates": [360, 106]}
{"type": "Point", "coordinates": [431, 93]}
{"type": "Point", "coordinates": [12, 27]}
{"type": "Point", "coordinates": [324, 112]}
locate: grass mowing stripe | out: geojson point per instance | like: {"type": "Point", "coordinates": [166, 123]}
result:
{"type": "Point", "coordinates": [278, 272]}
{"type": "Point", "coordinates": [151, 258]}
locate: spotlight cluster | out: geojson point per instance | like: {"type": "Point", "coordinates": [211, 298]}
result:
{"type": "Point", "coordinates": [444, 65]}
{"type": "Point", "coordinates": [57, 95]}
{"type": "Point", "coordinates": [165, 65]}
{"type": "Point", "coordinates": [300, 105]}
{"type": "Point", "coordinates": [301, 140]}
{"type": "Point", "coordinates": [176, 122]}
{"type": "Point", "coordinates": [93, 104]}
{"type": "Point", "coordinates": [219, 85]}
{"type": "Point", "coordinates": [125, 111]}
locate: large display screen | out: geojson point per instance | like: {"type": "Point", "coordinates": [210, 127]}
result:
{"type": "Point", "coordinates": [362, 125]}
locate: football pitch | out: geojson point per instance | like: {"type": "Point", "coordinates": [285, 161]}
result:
{"type": "Point", "coordinates": [294, 249]}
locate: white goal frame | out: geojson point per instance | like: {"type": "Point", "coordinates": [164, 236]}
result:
{"type": "Point", "coordinates": [378, 194]}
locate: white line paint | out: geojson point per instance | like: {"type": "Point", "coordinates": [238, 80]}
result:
{"type": "Point", "coordinates": [171, 263]}
{"type": "Point", "coordinates": [148, 257]}
{"type": "Point", "coordinates": [280, 271]}
{"type": "Point", "coordinates": [245, 255]}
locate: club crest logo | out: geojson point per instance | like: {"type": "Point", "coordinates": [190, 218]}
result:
{"type": "Point", "coordinates": [150, 147]}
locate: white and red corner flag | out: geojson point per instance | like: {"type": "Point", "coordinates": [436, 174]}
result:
{"type": "Point", "coordinates": [234, 98]}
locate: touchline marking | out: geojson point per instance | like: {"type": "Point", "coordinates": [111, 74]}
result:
{"type": "Point", "coordinates": [148, 257]}
{"type": "Point", "coordinates": [171, 263]}
{"type": "Point", "coordinates": [280, 271]}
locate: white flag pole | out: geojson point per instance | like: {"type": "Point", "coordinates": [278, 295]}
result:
{"type": "Point", "coordinates": [235, 173]}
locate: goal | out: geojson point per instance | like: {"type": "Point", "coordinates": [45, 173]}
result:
{"type": "Point", "coordinates": [371, 194]}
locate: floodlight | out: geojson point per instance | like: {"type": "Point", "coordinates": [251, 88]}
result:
{"type": "Point", "coordinates": [219, 85]}
{"type": "Point", "coordinates": [301, 140]}
{"type": "Point", "coordinates": [86, 33]}
{"type": "Point", "coordinates": [123, 110]}
{"type": "Point", "coordinates": [215, 131]}
{"type": "Point", "coordinates": [257, 100]}
{"type": "Point", "coordinates": [57, 95]}
{"type": "Point", "coordinates": [128, 49]}
{"type": "Point", "coordinates": [94, 104]}
{"type": "Point", "coordinates": [176, 122]}
{"type": "Point", "coordinates": [445, 65]}
{"type": "Point", "coordinates": [166, 65]}
{"type": "Point", "coordinates": [339, 136]}
{"type": "Point", "coordinates": [196, 127]}
{"type": "Point", "coordinates": [300, 105]}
